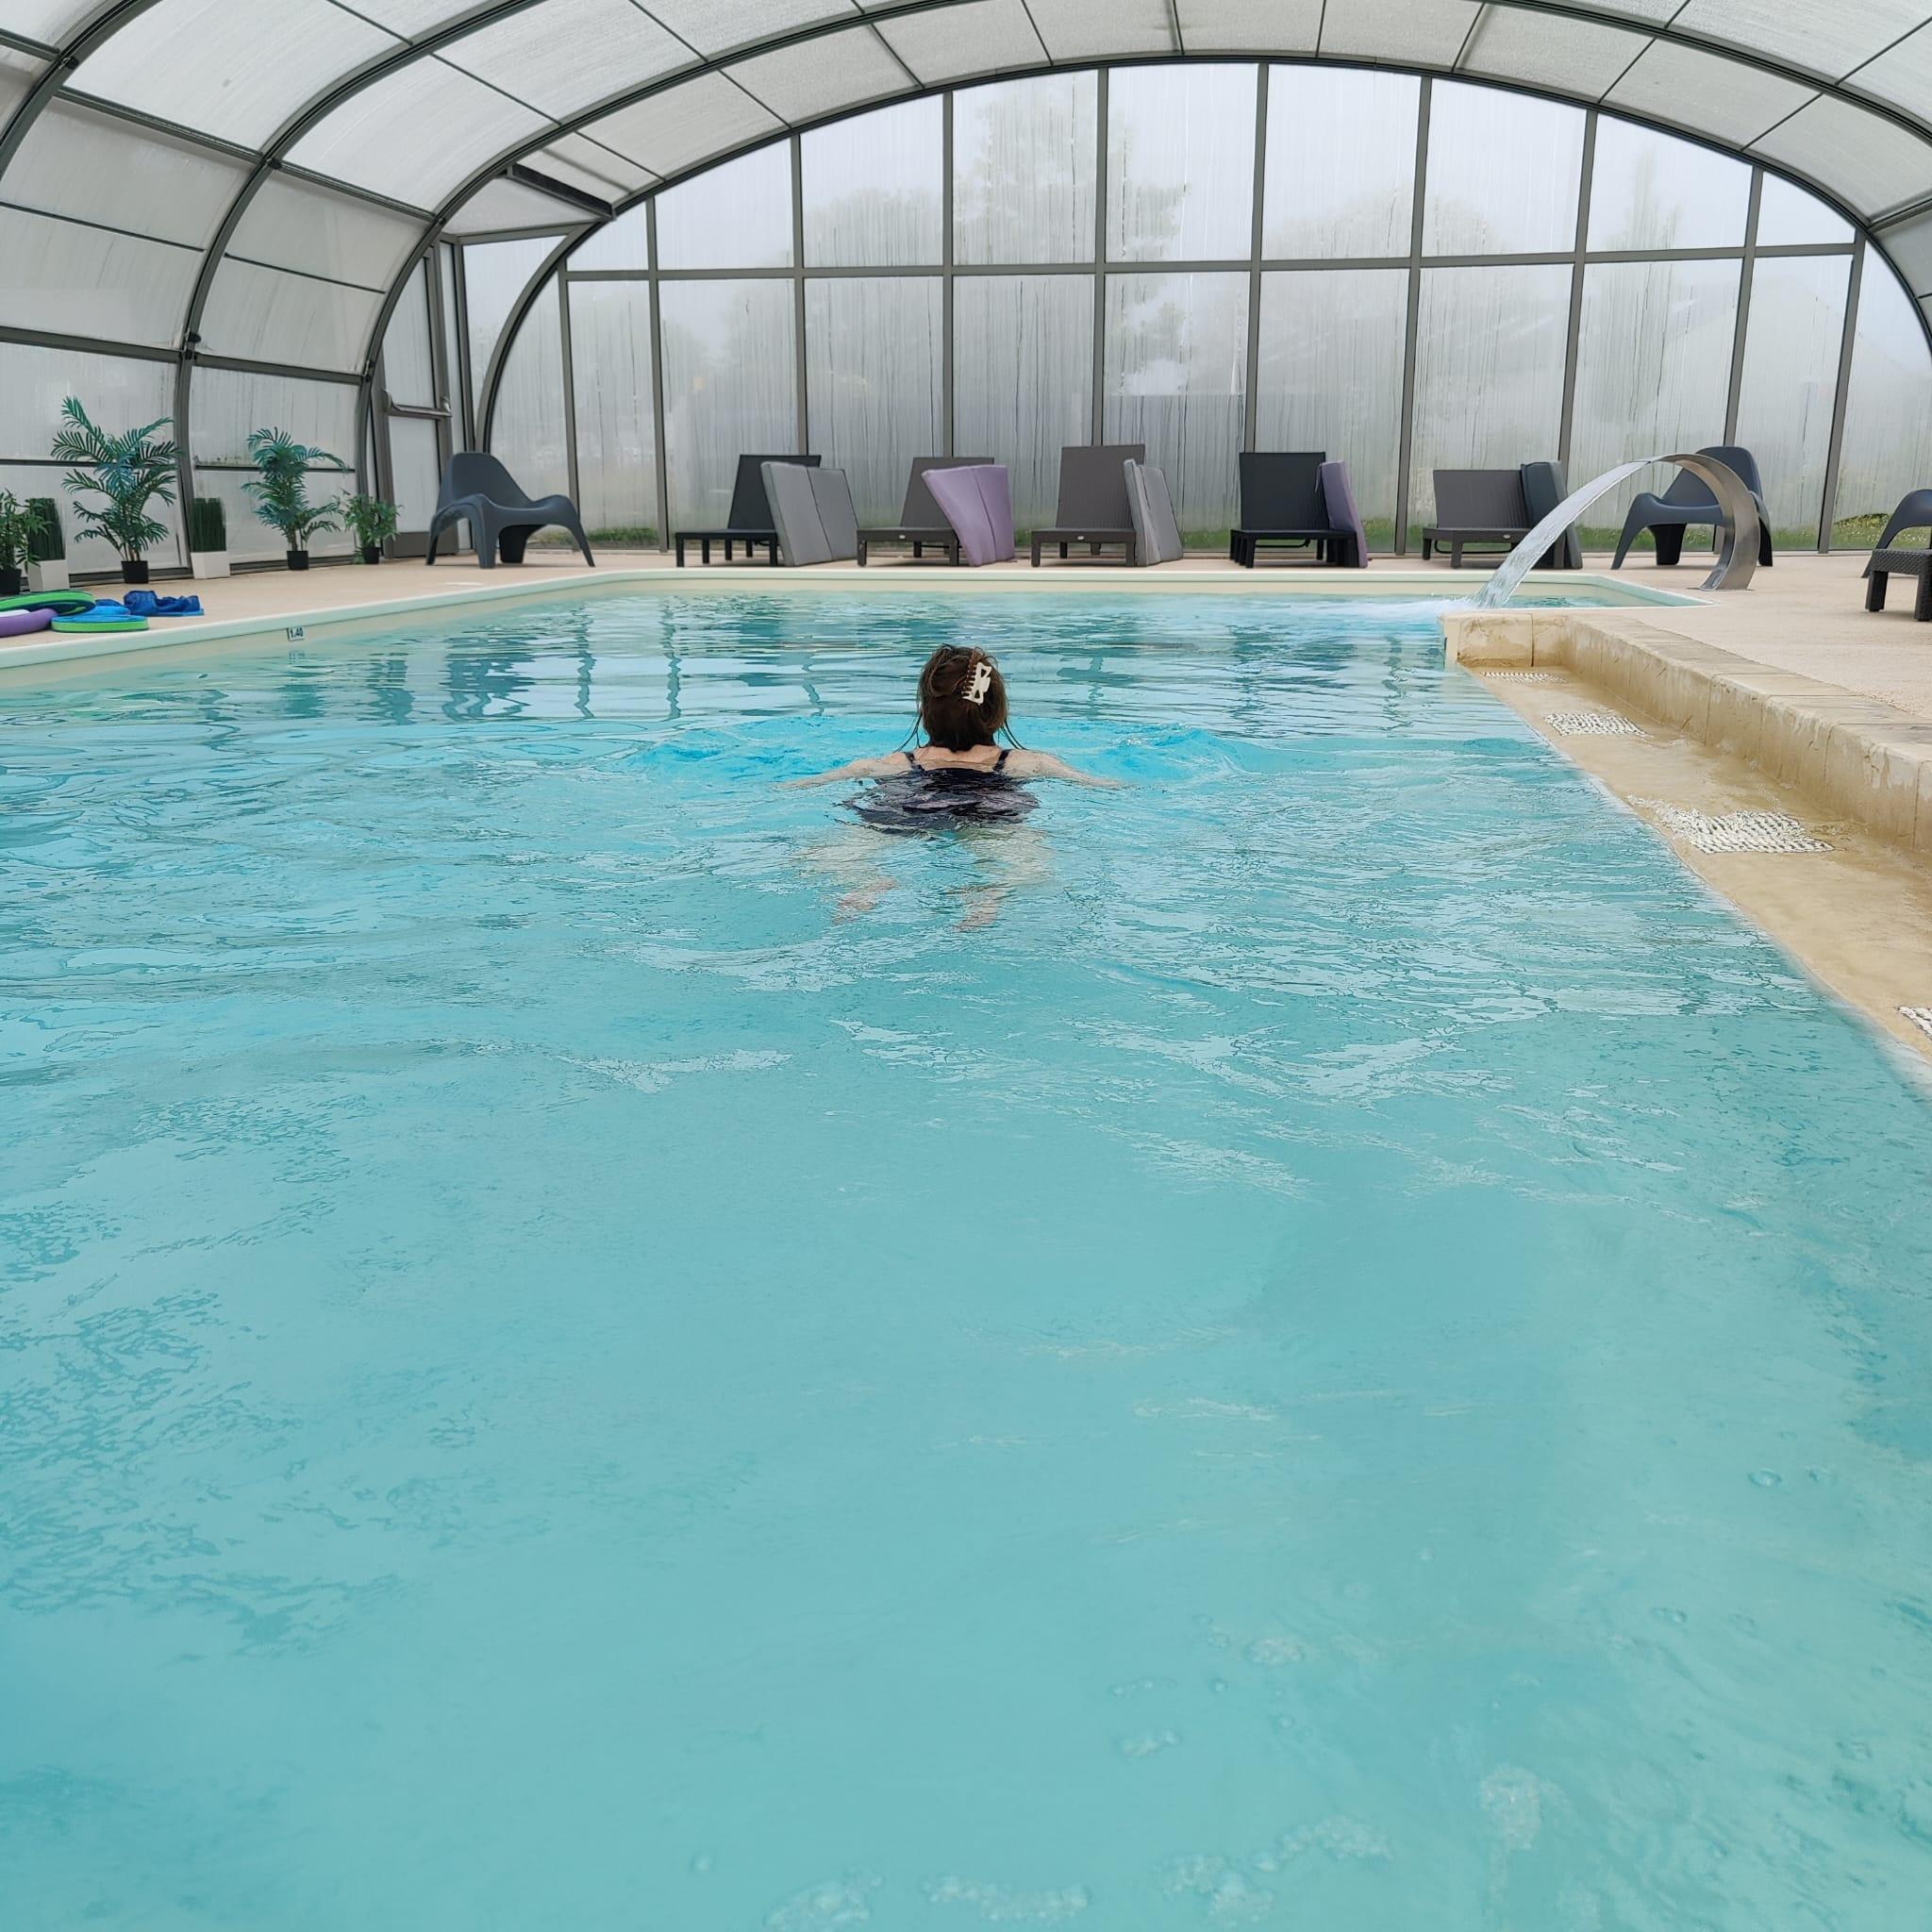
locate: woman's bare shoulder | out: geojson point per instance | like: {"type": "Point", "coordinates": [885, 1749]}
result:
{"type": "Point", "coordinates": [859, 768]}
{"type": "Point", "coordinates": [1043, 764]}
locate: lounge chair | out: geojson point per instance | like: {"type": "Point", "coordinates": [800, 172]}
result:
{"type": "Point", "coordinates": [1914, 514]}
{"type": "Point", "coordinates": [921, 522]}
{"type": "Point", "coordinates": [976, 501]}
{"type": "Point", "coordinates": [1688, 500]}
{"type": "Point", "coordinates": [1281, 503]}
{"type": "Point", "coordinates": [1476, 507]}
{"type": "Point", "coordinates": [749, 519]}
{"type": "Point", "coordinates": [1092, 507]}
{"type": "Point", "coordinates": [478, 490]}
{"type": "Point", "coordinates": [1157, 534]}
{"type": "Point", "coordinates": [813, 510]}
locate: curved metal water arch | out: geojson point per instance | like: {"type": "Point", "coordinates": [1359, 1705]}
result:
{"type": "Point", "coordinates": [1737, 527]}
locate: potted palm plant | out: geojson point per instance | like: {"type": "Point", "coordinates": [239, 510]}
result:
{"type": "Point", "coordinates": [281, 489]}
{"type": "Point", "coordinates": [131, 471]}
{"type": "Point", "coordinates": [19, 521]}
{"type": "Point", "coordinates": [208, 536]}
{"type": "Point", "coordinates": [46, 549]}
{"type": "Point", "coordinates": [373, 521]}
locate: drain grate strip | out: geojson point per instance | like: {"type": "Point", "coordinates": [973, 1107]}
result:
{"type": "Point", "coordinates": [1734, 831]}
{"type": "Point", "coordinates": [1921, 1017]}
{"type": "Point", "coordinates": [1522, 677]}
{"type": "Point", "coordinates": [1592, 724]}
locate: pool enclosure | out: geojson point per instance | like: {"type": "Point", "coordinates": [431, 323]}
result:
{"type": "Point", "coordinates": [618, 243]}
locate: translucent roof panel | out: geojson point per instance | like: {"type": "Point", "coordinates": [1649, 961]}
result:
{"type": "Point", "coordinates": [97, 167]}
{"type": "Point", "coordinates": [416, 134]}
{"type": "Point", "coordinates": [568, 54]}
{"type": "Point", "coordinates": [822, 75]}
{"type": "Point", "coordinates": [1090, 29]}
{"type": "Point", "coordinates": [269, 315]}
{"type": "Point", "coordinates": [716, 27]}
{"type": "Point", "coordinates": [1431, 32]}
{"type": "Point", "coordinates": [503, 204]}
{"type": "Point", "coordinates": [1903, 76]}
{"type": "Point", "coordinates": [209, 64]}
{"type": "Point", "coordinates": [18, 73]}
{"type": "Point", "coordinates": [982, 37]}
{"type": "Point", "coordinates": [1709, 95]}
{"type": "Point", "coordinates": [51, 22]}
{"type": "Point", "coordinates": [685, 124]}
{"type": "Point", "coordinates": [296, 225]}
{"type": "Point", "coordinates": [1823, 35]}
{"type": "Point", "coordinates": [412, 18]}
{"type": "Point", "coordinates": [63, 278]}
{"type": "Point", "coordinates": [1250, 27]}
{"type": "Point", "coordinates": [577, 161]}
{"type": "Point", "coordinates": [1872, 162]}
{"type": "Point", "coordinates": [1573, 56]}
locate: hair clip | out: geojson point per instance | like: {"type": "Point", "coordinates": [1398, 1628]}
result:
{"type": "Point", "coordinates": [976, 692]}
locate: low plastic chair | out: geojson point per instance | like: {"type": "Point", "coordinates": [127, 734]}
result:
{"type": "Point", "coordinates": [1888, 560]}
{"type": "Point", "coordinates": [478, 490]}
{"type": "Point", "coordinates": [1690, 501]}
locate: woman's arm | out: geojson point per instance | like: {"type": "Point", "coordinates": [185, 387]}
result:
{"type": "Point", "coordinates": [1043, 764]}
{"type": "Point", "coordinates": [859, 768]}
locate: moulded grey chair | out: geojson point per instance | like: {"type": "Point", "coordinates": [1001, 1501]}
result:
{"type": "Point", "coordinates": [1476, 507]}
{"type": "Point", "coordinates": [812, 509]}
{"type": "Point", "coordinates": [478, 490]}
{"type": "Point", "coordinates": [1688, 501]}
{"type": "Point", "coordinates": [922, 523]}
{"type": "Point", "coordinates": [749, 519]}
{"type": "Point", "coordinates": [1156, 535]}
{"type": "Point", "coordinates": [1888, 561]}
{"type": "Point", "coordinates": [1093, 507]}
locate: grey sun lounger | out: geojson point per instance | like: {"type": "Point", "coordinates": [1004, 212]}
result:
{"type": "Point", "coordinates": [1477, 508]}
{"type": "Point", "coordinates": [478, 490]}
{"type": "Point", "coordinates": [922, 523]}
{"type": "Point", "coordinates": [749, 519]}
{"type": "Point", "coordinates": [1093, 507]}
{"type": "Point", "coordinates": [811, 509]}
{"type": "Point", "coordinates": [1888, 561]}
{"type": "Point", "coordinates": [1157, 534]}
{"type": "Point", "coordinates": [1281, 503]}
{"type": "Point", "coordinates": [1688, 501]}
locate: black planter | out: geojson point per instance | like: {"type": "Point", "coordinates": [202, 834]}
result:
{"type": "Point", "coordinates": [371, 552]}
{"type": "Point", "coordinates": [298, 559]}
{"type": "Point", "coordinates": [11, 583]}
{"type": "Point", "coordinates": [134, 570]}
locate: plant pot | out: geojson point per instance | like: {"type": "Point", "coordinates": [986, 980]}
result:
{"type": "Point", "coordinates": [209, 563]}
{"type": "Point", "coordinates": [134, 570]}
{"type": "Point", "coordinates": [10, 583]}
{"type": "Point", "coordinates": [371, 552]}
{"type": "Point", "coordinates": [298, 559]}
{"type": "Point", "coordinates": [49, 575]}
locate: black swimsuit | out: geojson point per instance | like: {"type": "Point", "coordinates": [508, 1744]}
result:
{"type": "Point", "coordinates": [923, 801]}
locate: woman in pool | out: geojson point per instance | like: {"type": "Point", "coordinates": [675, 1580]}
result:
{"type": "Point", "coordinates": [961, 774]}
{"type": "Point", "coordinates": [960, 778]}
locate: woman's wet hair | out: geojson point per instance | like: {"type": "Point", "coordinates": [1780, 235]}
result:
{"type": "Point", "coordinates": [962, 698]}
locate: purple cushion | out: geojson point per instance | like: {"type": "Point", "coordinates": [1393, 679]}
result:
{"type": "Point", "coordinates": [19, 624]}
{"type": "Point", "coordinates": [976, 499]}
{"type": "Point", "coordinates": [1337, 495]}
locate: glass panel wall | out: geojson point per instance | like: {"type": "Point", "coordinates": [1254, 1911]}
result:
{"type": "Point", "coordinates": [1887, 444]}
{"type": "Point", "coordinates": [1529, 341]}
{"type": "Point", "coordinates": [1022, 378]}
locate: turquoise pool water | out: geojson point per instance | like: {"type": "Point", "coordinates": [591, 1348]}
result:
{"type": "Point", "coordinates": [1357, 1359]}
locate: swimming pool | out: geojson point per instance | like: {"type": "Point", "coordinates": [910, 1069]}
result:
{"type": "Point", "coordinates": [1357, 1358]}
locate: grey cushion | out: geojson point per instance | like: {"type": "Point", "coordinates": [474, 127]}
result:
{"type": "Point", "coordinates": [795, 513]}
{"type": "Point", "coordinates": [837, 521]}
{"type": "Point", "coordinates": [1156, 535]}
